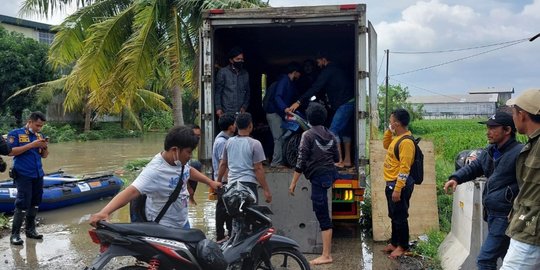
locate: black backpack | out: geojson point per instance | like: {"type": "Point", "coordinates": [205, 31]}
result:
{"type": "Point", "coordinates": [417, 168]}
{"type": "Point", "coordinates": [269, 95]}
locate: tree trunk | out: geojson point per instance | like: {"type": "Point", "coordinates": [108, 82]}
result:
{"type": "Point", "coordinates": [178, 114]}
{"type": "Point", "coordinates": [87, 117]}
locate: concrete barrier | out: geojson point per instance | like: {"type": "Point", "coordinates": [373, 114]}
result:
{"type": "Point", "coordinates": [462, 245]}
{"type": "Point", "coordinates": [293, 215]}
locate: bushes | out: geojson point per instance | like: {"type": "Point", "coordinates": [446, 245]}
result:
{"type": "Point", "coordinates": [65, 133]}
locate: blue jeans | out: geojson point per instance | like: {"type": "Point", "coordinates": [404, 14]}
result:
{"type": "Point", "coordinates": [496, 243]}
{"type": "Point", "coordinates": [521, 256]}
{"type": "Point", "coordinates": [319, 187]}
{"type": "Point", "coordinates": [340, 126]}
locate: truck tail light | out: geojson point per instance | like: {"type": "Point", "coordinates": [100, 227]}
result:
{"type": "Point", "coordinates": [347, 7]}
{"type": "Point", "coordinates": [217, 11]}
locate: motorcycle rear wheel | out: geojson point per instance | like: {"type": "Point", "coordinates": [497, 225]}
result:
{"type": "Point", "coordinates": [284, 258]}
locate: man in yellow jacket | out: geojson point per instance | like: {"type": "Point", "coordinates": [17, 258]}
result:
{"type": "Point", "coordinates": [399, 186]}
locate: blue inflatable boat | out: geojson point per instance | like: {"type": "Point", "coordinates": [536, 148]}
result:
{"type": "Point", "coordinates": [60, 190]}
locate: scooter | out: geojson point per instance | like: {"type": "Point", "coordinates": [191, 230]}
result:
{"type": "Point", "coordinates": [252, 245]}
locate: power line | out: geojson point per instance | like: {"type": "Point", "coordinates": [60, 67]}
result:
{"type": "Point", "coordinates": [459, 59]}
{"type": "Point", "coordinates": [462, 49]}
{"type": "Point", "coordinates": [424, 89]}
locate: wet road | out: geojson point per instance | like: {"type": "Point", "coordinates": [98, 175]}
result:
{"type": "Point", "coordinates": [66, 243]}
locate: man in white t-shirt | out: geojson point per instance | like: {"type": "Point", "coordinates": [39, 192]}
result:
{"type": "Point", "coordinates": [159, 179]}
{"type": "Point", "coordinates": [243, 157]}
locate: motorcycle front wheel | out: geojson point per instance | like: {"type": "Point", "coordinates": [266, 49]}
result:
{"type": "Point", "coordinates": [284, 258]}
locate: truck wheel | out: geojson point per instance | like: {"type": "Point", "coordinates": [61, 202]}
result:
{"type": "Point", "coordinates": [284, 258]}
{"type": "Point", "coordinates": [290, 149]}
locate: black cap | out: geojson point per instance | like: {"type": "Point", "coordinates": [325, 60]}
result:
{"type": "Point", "coordinates": [500, 119]}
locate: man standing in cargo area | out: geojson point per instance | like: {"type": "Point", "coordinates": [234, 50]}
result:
{"type": "Point", "coordinates": [340, 93]}
{"type": "Point", "coordinates": [285, 92]}
{"type": "Point", "coordinates": [28, 147]}
{"type": "Point", "coordinates": [232, 85]}
{"type": "Point", "coordinates": [317, 154]}
{"type": "Point", "coordinates": [497, 163]}
{"type": "Point", "coordinates": [399, 186]}
{"type": "Point", "coordinates": [524, 228]}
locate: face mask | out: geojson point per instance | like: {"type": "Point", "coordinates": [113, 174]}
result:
{"type": "Point", "coordinates": [390, 127]}
{"type": "Point", "coordinates": [31, 130]}
{"type": "Point", "coordinates": [238, 65]}
{"type": "Point", "coordinates": [177, 161]}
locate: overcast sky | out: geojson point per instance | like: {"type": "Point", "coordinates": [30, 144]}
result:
{"type": "Point", "coordinates": [435, 25]}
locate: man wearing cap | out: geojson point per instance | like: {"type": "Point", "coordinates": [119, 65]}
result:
{"type": "Point", "coordinates": [524, 228]}
{"type": "Point", "coordinates": [340, 93]}
{"type": "Point", "coordinates": [232, 85]}
{"type": "Point", "coordinates": [497, 163]}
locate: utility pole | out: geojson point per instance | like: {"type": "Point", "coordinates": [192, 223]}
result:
{"type": "Point", "coordinates": [386, 104]}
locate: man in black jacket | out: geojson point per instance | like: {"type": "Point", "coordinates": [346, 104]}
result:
{"type": "Point", "coordinates": [498, 164]}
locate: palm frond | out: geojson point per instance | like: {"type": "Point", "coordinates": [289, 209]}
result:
{"type": "Point", "coordinates": [55, 85]}
{"type": "Point", "coordinates": [137, 58]}
{"type": "Point", "coordinates": [71, 34]}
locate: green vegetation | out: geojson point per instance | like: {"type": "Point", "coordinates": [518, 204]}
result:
{"type": "Point", "coordinates": [429, 249]}
{"type": "Point", "coordinates": [66, 132]}
{"type": "Point", "coordinates": [23, 62]}
{"type": "Point", "coordinates": [4, 221]}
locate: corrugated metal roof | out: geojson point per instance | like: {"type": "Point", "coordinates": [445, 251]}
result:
{"type": "Point", "coordinates": [476, 98]}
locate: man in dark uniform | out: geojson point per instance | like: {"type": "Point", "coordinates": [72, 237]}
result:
{"type": "Point", "coordinates": [28, 146]}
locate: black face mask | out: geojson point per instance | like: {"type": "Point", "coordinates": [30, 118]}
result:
{"type": "Point", "coordinates": [238, 65]}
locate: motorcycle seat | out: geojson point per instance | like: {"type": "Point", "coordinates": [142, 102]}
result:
{"type": "Point", "coordinates": [155, 230]}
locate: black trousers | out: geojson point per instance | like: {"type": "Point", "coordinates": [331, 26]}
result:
{"type": "Point", "coordinates": [222, 219]}
{"type": "Point", "coordinates": [398, 212]}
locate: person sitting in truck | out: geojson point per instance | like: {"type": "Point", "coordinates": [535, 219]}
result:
{"type": "Point", "coordinates": [340, 93]}
{"type": "Point", "coordinates": [316, 156]}
{"type": "Point", "coordinates": [232, 85]}
{"type": "Point", "coordinates": [285, 93]}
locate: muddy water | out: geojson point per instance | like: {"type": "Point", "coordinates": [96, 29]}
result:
{"type": "Point", "coordinates": [68, 246]}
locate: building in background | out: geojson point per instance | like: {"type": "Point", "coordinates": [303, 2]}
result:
{"type": "Point", "coordinates": [38, 31]}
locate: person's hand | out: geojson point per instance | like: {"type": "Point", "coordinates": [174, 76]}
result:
{"type": "Point", "coordinates": [287, 110]}
{"type": "Point", "coordinates": [97, 217]}
{"type": "Point", "coordinates": [40, 143]}
{"type": "Point", "coordinates": [450, 184]}
{"type": "Point", "coordinates": [192, 200]}
{"type": "Point", "coordinates": [291, 189]}
{"type": "Point", "coordinates": [268, 196]}
{"type": "Point", "coordinates": [215, 185]}
{"type": "Point", "coordinates": [396, 196]}
{"type": "Point", "coordinates": [219, 112]}
{"type": "Point", "coordinates": [294, 106]}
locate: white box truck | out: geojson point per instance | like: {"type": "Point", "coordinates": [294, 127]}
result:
{"type": "Point", "coordinates": [270, 39]}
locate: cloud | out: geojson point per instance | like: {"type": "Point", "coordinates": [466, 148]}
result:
{"type": "Point", "coordinates": [434, 25]}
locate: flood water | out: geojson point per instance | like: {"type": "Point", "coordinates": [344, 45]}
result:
{"type": "Point", "coordinates": [68, 246]}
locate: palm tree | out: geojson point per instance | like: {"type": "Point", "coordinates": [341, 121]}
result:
{"type": "Point", "coordinates": [116, 47]}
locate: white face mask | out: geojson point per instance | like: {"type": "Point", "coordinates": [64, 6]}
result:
{"type": "Point", "coordinates": [177, 161]}
{"type": "Point", "coordinates": [390, 127]}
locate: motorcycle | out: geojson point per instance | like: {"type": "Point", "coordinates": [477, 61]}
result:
{"type": "Point", "coordinates": [294, 126]}
{"type": "Point", "coordinates": [252, 245]}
